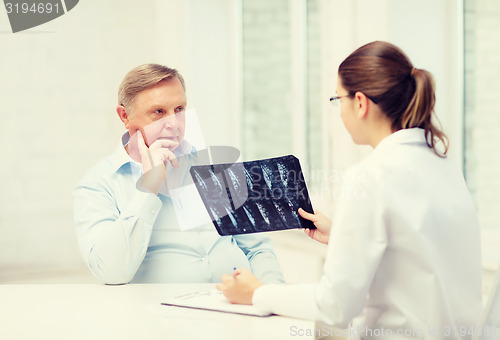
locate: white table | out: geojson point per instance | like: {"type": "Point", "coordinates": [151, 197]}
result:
{"type": "Point", "coordinates": [74, 312]}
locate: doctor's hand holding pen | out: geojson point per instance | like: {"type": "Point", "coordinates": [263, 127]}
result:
{"type": "Point", "coordinates": [322, 224]}
{"type": "Point", "coordinates": [240, 286]}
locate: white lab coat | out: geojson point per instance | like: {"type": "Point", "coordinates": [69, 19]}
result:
{"type": "Point", "coordinates": [404, 251]}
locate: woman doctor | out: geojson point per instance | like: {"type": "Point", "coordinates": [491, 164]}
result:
{"type": "Point", "coordinates": [404, 249]}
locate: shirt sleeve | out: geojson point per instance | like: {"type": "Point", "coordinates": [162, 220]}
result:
{"type": "Point", "coordinates": [263, 261]}
{"type": "Point", "coordinates": [356, 246]}
{"type": "Point", "coordinates": [113, 242]}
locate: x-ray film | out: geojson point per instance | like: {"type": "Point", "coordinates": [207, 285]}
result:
{"type": "Point", "coordinates": [255, 196]}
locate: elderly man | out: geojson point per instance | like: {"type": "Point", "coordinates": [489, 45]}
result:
{"type": "Point", "coordinates": [131, 235]}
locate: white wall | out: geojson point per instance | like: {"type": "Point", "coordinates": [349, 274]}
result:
{"type": "Point", "coordinates": [347, 26]}
{"type": "Point", "coordinates": [482, 121]}
{"type": "Point", "coordinates": [430, 34]}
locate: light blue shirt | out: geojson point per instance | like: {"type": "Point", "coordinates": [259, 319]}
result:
{"type": "Point", "coordinates": [127, 235]}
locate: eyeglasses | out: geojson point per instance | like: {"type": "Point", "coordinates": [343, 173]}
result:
{"type": "Point", "coordinates": [335, 101]}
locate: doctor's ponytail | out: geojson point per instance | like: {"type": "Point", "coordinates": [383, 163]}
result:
{"type": "Point", "coordinates": [419, 112]}
{"type": "Point", "coordinates": [406, 95]}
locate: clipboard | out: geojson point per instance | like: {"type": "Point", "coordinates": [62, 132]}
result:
{"type": "Point", "coordinates": [256, 196]}
{"type": "Point", "coordinates": [212, 300]}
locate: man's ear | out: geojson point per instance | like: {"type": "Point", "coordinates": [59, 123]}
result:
{"type": "Point", "coordinates": [123, 114]}
{"type": "Point", "coordinates": [362, 102]}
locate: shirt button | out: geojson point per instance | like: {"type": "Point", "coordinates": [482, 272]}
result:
{"type": "Point", "coordinates": [153, 211]}
{"type": "Point", "coordinates": [204, 259]}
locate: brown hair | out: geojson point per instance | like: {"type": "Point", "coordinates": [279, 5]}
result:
{"type": "Point", "coordinates": [141, 78]}
{"type": "Point", "coordinates": [405, 94]}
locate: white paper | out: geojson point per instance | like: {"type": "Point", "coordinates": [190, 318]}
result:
{"type": "Point", "coordinates": [212, 300]}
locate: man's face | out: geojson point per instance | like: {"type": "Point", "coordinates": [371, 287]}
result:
{"type": "Point", "coordinates": [158, 112]}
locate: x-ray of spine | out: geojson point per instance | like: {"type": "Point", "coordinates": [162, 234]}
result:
{"type": "Point", "coordinates": [255, 196]}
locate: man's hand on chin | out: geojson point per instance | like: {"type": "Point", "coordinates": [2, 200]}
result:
{"type": "Point", "coordinates": [154, 160]}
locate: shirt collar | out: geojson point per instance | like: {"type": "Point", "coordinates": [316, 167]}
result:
{"type": "Point", "coordinates": [120, 157]}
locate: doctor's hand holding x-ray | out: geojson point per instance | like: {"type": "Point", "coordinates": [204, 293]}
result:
{"type": "Point", "coordinates": [322, 224]}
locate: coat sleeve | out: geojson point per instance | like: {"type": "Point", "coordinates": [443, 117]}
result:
{"type": "Point", "coordinates": [357, 243]}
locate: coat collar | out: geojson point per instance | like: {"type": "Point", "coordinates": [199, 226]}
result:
{"type": "Point", "coordinates": [403, 136]}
